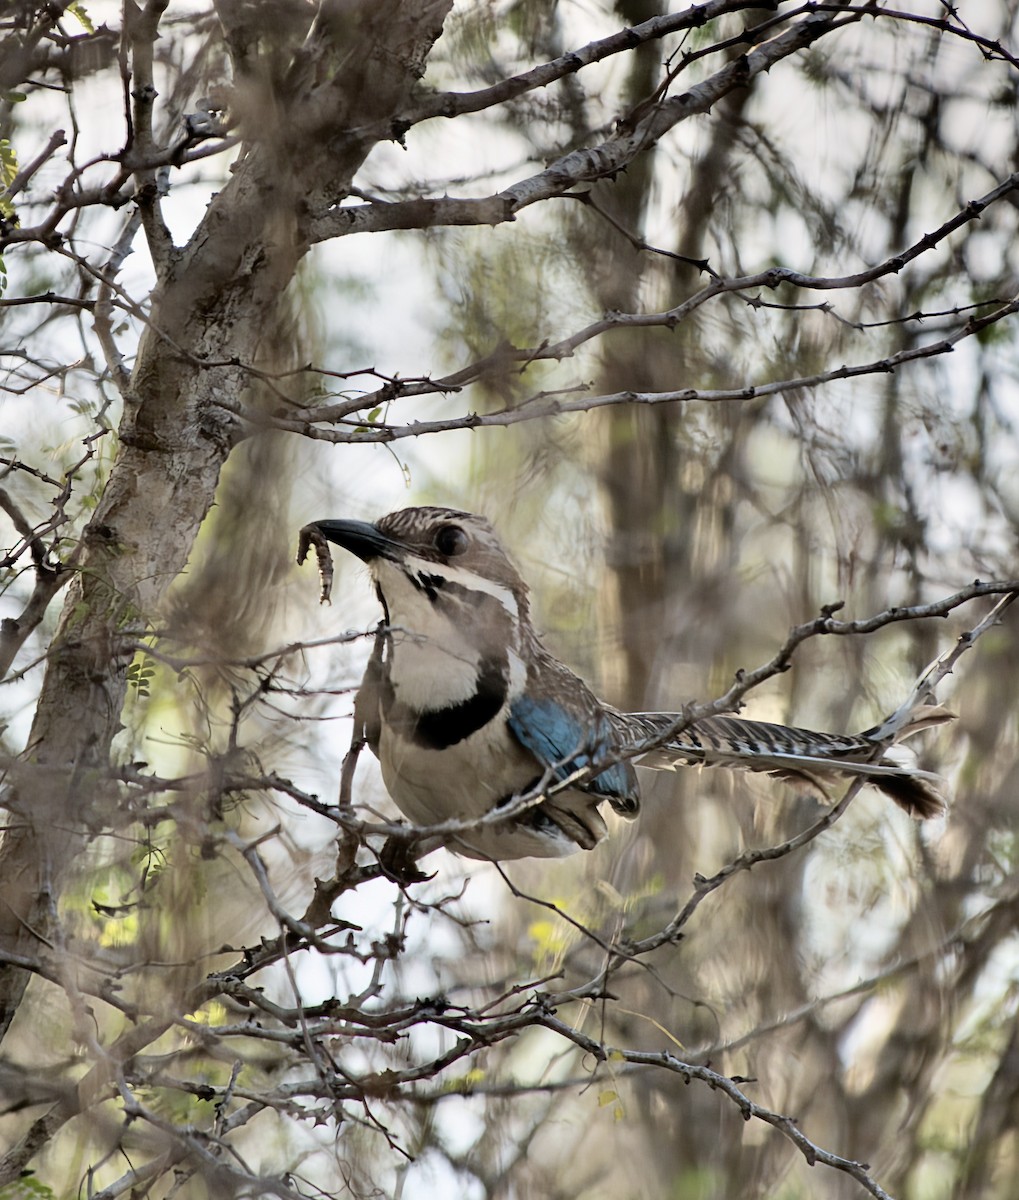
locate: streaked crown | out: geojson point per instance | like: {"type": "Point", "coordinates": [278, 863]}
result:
{"type": "Point", "coordinates": [437, 550]}
{"type": "Point", "coordinates": [461, 541]}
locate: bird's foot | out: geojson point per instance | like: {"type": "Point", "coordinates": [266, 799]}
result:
{"type": "Point", "coordinates": [398, 860]}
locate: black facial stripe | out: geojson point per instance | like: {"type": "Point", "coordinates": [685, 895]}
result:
{"type": "Point", "coordinates": [443, 727]}
{"type": "Point", "coordinates": [429, 584]}
{"type": "Point", "coordinates": [432, 584]}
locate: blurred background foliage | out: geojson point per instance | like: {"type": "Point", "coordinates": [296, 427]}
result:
{"type": "Point", "coordinates": [867, 985]}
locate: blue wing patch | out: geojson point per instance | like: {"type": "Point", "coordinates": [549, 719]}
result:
{"type": "Point", "coordinates": [555, 736]}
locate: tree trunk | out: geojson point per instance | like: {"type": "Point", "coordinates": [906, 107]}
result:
{"type": "Point", "coordinates": [213, 301]}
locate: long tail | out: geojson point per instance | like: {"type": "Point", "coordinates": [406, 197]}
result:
{"type": "Point", "coordinates": [799, 755]}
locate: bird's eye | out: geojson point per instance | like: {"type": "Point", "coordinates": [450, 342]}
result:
{"type": "Point", "coordinates": [451, 541]}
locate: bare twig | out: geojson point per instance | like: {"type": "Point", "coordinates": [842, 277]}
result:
{"type": "Point", "coordinates": [550, 404]}
{"type": "Point", "coordinates": [57, 139]}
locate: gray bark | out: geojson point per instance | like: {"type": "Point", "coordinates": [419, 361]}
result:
{"type": "Point", "coordinates": [214, 299]}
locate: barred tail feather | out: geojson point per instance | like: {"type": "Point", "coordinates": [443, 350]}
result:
{"type": "Point", "coordinates": [801, 756]}
{"type": "Point", "coordinates": [918, 792]}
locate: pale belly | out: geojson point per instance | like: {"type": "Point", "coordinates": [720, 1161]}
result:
{"type": "Point", "coordinates": [468, 780]}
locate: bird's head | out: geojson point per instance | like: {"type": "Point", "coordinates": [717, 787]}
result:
{"type": "Point", "coordinates": [437, 559]}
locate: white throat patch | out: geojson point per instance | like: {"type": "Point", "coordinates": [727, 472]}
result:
{"type": "Point", "coordinates": [435, 661]}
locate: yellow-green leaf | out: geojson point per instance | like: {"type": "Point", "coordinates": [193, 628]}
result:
{"type": "Point", "coordinates": [81, 16]}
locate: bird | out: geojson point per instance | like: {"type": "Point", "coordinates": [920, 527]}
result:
{"type": "Point", "coordinates": [467, 711]}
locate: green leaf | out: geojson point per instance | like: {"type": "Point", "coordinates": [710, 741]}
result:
{"type": "Point", "coordinates": [27, 1188]}
{"type": "Point", "coordinates": [81, 16]}
{"type": "Point", "coordinates": [139, 675]}
{"type": "Point", "coordinates": [8, 170]}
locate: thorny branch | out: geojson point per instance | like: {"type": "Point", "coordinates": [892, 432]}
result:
{"type": "Point", "coordinates": [589, 163]}
{"type": "Point", "coordinates": [546, 404]}
{"type": "Point", "coordinates": [372, 1018]}
{"type": "Point", "coordinates": [730, 701]}
{"type": "Point", "coordinates": [499, 1020]}
{"type": "Point", "coordinates": [750, 1110]}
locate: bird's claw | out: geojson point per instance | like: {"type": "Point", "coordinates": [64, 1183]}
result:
{"type": "Point", "coordinates": [399, 862]}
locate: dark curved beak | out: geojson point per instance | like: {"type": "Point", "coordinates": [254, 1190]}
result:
{"type": "Point", "coordinates": [360, 538]}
